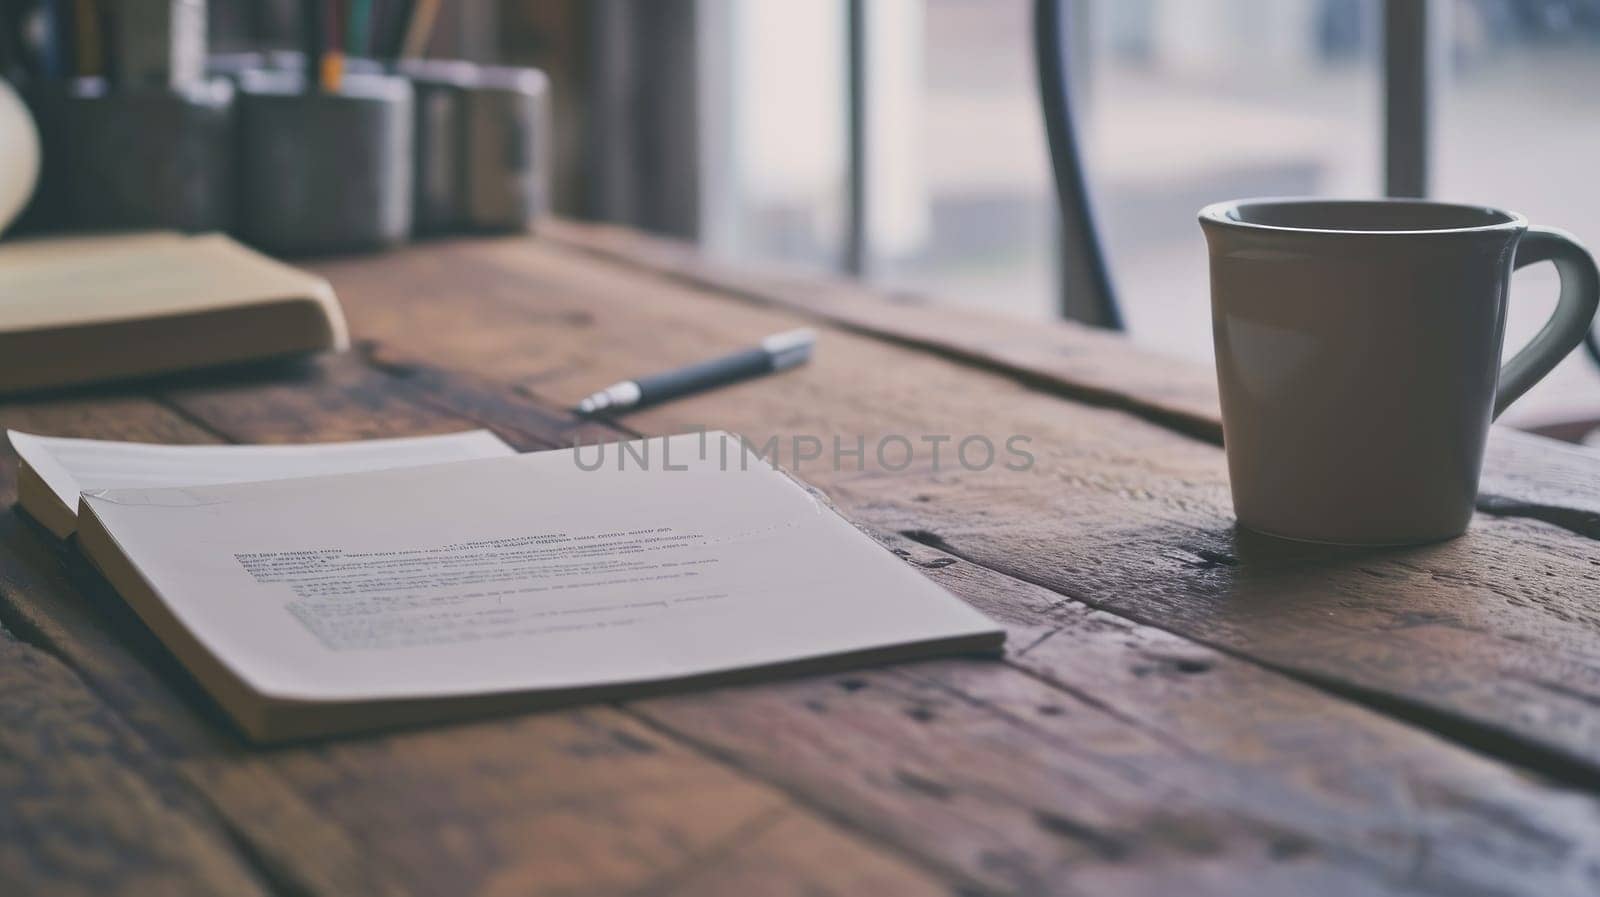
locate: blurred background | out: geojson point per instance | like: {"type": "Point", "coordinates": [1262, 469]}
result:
{"type": "Point", "coordinates": [1181, 102]}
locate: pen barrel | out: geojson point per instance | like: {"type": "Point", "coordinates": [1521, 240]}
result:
{"type": "Point", "coordinates": [703, 376]}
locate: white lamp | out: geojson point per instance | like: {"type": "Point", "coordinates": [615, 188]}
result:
{"type": "Point", "coordinates": [19, 155]}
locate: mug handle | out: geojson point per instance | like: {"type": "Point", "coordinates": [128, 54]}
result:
{"type": "Point", "coordinates": [1567, 327]}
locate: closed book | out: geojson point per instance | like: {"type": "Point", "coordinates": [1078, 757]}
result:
{"type": "Point", "coordinates": [77, 310]}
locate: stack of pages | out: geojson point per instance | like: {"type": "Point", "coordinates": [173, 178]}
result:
{"type": "Point", "coordinates": [347, 588]}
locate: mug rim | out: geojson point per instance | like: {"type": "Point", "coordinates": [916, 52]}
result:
{"type": "Point", "coordinates": [1226, 214]}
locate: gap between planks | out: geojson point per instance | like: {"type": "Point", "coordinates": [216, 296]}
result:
{"type": "Point", "coordinates": [1522, 754]}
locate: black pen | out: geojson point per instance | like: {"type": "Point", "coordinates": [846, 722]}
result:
{"type": "Point", "coordinates": [778, 352]}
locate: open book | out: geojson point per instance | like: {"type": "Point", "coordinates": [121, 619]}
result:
{"type": "Point", "coordinates": [326, 604]}
{"type": "Point", "coordinates": [52, 470]}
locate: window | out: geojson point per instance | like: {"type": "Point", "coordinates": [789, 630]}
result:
{"type": "Point", "coordinates": [1195, 101]}
{"type": "Point", "coordinates": [1180, 103]}
{"type": "Point", "coordinates": [960, 202]}
{"type": "Point", "coordinates": [773, 128]}
{"type": "Point", "coordinates": [1519, 127]}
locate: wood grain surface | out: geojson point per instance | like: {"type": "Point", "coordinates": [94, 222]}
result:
{"type": "Point", "coordinates": [1182, 708]}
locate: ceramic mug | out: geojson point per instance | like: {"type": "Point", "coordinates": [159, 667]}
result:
{"type": "Point", "coordinates": [1358, 357]}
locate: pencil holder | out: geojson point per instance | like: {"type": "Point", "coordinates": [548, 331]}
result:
{"type": "Point", "coordinates": [506, 153]}
{"type": "Point", "coordinates": [481, 146]}
{"type": "Point", "coordinates": [438, 187]}
{"type": "Point", "coordinates": [325, 172]}
{"type": "Point", "coordinates": [137, 157]}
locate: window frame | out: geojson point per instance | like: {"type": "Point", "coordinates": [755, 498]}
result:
{"type": "Point", "coordinates": [1413, 68]}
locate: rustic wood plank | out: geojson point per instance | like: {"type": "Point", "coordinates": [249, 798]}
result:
{"type": "Point", "coordinates": [1077, 361]}
{"type": "Point", "coordinates": [963, 847]}
{"type": "Point", "coordinates": [589, 801]}
{"type": "Point", "coordinates": [1489, 637]}
{"type": "Point", "coordinates": [1033, 856]}
{"type": "Point", "coordinates": [1110, 755]}
{"type": "Point", "coordinates": [93, 805]}
{"type": "Point", "coordinates": [789, 859]}
{"type": "Point", "coordinates": [1541, 479]}
{"type": "Point", "coordinates": [1219, 744]}
{"type": "Point", "coordinates": [1523, 475]}
{"type": "Point", "coordinates": [80, 795]}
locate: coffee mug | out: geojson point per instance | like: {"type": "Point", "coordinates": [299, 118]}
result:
{"type": "Point", "coordinates": [1358, 357]}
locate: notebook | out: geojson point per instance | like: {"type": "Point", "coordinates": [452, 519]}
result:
{"type": "Point", "coordinates": [333, 604]}
{"type": "Point", "coordinates": [52, 470]}
{"type": "Point", "coordinates": [81, 309]}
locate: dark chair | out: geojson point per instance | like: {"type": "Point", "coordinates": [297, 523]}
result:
{"type": "Point", "coordinates": [1086, 293]}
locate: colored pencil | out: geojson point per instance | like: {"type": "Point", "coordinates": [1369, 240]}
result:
{"type": "Point", "coordinates": [358, 28]}
{"type": "Point", "coordinates": [90, 46]}
{"type": "Point", "coordinates": [420, 28]}
{"type": "Point", "coordinates": [333, 54]}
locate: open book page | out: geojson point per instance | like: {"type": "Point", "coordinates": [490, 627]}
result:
{"type": "Point", "coordinates": [523, 573]}
{"type": "Point", "coordinates": [69, 466]}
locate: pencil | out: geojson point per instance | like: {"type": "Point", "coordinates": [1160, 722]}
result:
{"type": "Point", "coordinates": [332, 71]}
{"type": "Point", "coordinates": [420, 27]}
{"type": "Point", "coordinates": [332, 55]}
{"type": "Point", "coordinates": [55, 53]}
{"type": "Point", "coordinates": [358, 30]}
{"type": "Point", "coordinates": [86, 19]}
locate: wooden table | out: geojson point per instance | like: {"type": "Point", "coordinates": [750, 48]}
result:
{"type": "Point", "coordinates": [1182, 709]}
